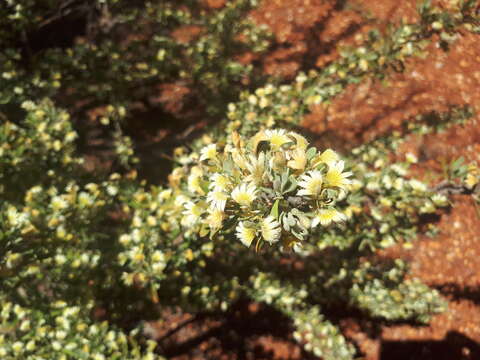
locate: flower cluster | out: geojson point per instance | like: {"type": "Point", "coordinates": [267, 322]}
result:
{"type": "Point", "coordinates": [44, 144]}
{"type": "Point", "coordinates": [150, 212]}
{"type": "Point", "coordinates": [272, 189]}
{"type": "Point", "coordinates": [63, 332]}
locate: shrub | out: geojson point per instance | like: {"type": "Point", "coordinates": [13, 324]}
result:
{"type": "Point", "coordinates": [301, 224]}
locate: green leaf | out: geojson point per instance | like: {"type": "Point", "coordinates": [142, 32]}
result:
{"type": "Point", "coordinates": [311, 153]}
{"type": "Point", "coordinates": [228, 165]}
{"type": "Point", "coordinates": [5, 99]}
{"type": "Point", "coordinates": [292, 186]}
{"type": "Point", "coordinates": [284, 178]}
{"type": "Point", "coordinates": [268, 191]}
{"type": "Point", "coordinates": [457, 163]}
{"type": "Point", "coordinates": [274, 210]}
{"type": "Point", "coordinates": [75, 354]}
{"type": "Point", "coordinates": [277, 183]}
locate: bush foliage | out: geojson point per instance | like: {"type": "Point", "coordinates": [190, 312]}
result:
{"type": "Point", "coordinates": [243, 205]}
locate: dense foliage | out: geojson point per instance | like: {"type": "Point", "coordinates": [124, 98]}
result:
{"type": "Point", "coordinates": [76, 239]}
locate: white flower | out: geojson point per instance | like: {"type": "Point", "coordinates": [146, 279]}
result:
{"type": "Point", "coordinates": [16, 218]}
{"type": "Point", "coordinates": [398, 184]}
{"type": "Point", "coordinates": [180, 200]}
{"type": "Point", "coordinates": [244, 194]}
{"type": "Point", "coordinates": [239, 159]}
{"type": "Point", "coordinates": [25, 325]}
{"type": "Point", "coordinates": [217, 199]}
{"type": "Point", "coordinates": [30, 345]}
{"type": "Point", "coordinates": [440, 200]}
{"type": "Point", "coordinates": [298, 159]}
{"type": "Point", "coordinates": [471, 180]}
{"type": "Point", "coordinates": [219, 181]}
{"type": "Point", "coordinates": [158, 262]}
{"type": "Point", "coordinates": [301, 78]}
{"type": "Point", "coordinates": [245, 234]}
{"type": "Point", "coordinates": [387, 182]}
{"type": "Point", "coordinates": [58, 203]}
{"type": "Point", "coordinates": [256, 167]}
{"type": "Point", "coordinates": [17, 346]}
{"type": "Point", "coordinates": [70, 136]}
{"type": "Point", "coordinates": [379, 163]}
{"type": "Point", "coordinates": [328, 156]}
{"type": "Point", "coordinates": [335, 177]}
{"type": "Point", "coordinates": [427, 208]}
{"type": "Point", "coordinates": [112, 190]}
{"type": "Point", "coordinates": [209, 152]}
{"type": "Point", "coordinates": [164, 195]}
{"type": "Point", "coordinates": [194, 181]}
{"type": "Point", "coordinates": [192, 213]}
{"type": "Point", "coordinates": [277, 137]}
{"type": "Point", "coordinates": [399, 169]}
{"type": "Point", "coordinates": [27, 105]}
{"type": "Point", "coordinates": [327, 216]}
{"type": "Point", "coordinates": [215, 218]}
{"type": "Point", "coordinates": [252, 99]}
{"type": "Point", "coordinates": [264, 102]}
{"type": "Point", "coordinates": [302, 143]}
{"type": "Point", "coordinates": [60, 335]}
{"type": "Point", "coordinates": [417, 186]}
{"type": "Point", "coordinates": [270, 229]}
{"type": "Point", "coordinates": [311, 184]}
{"type": "Point", "coordinates": [373, 186]}
{"type": "Point", "coordinates": [355, 185]}
{"type": "Point", "coordinates": [85, 199]}
{"type": "Point", "coordinates": [411, 158]}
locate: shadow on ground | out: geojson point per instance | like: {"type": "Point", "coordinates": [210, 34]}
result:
{"type": "Point", "coordinates": [454, 346]}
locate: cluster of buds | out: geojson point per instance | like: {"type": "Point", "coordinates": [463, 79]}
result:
{"type": "Point", "coordinates": [273, 188]}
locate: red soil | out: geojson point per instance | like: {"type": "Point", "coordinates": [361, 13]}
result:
{"type": "Point", "coordinates": [306, 33]}
{"type": "Point", "coordinates": [372, 108]}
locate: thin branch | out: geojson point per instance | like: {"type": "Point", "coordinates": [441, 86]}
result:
{"type": "Point", "coordinates": [447, 188]}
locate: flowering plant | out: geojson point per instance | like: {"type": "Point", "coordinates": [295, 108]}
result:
{"type": "Point", "coordinates": [271, 189]}
{"type": "Point", "coordinates": [80, 238]}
